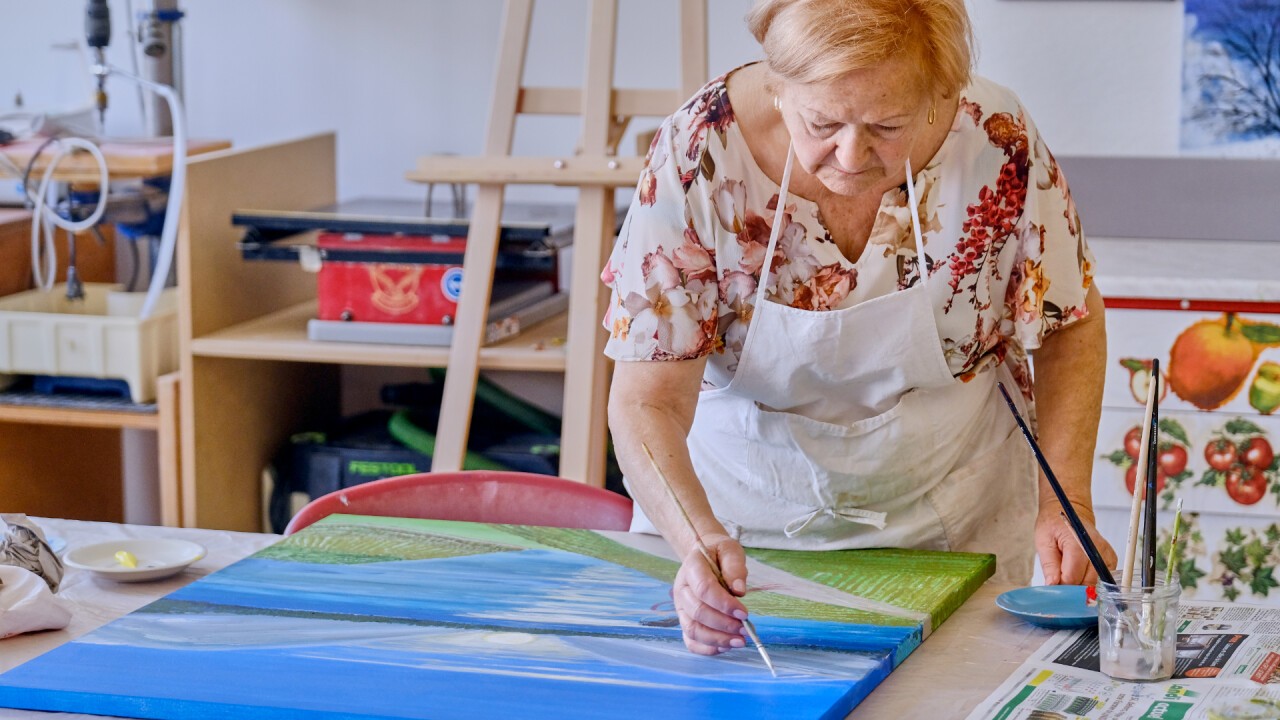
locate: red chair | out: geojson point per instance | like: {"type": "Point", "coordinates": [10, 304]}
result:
{"type": "Point", "coordinates": [513, 498]}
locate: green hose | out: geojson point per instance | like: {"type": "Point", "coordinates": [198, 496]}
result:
{"type": "Point", "coordinates": [414, 437]}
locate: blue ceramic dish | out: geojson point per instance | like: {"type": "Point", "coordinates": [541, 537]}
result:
{"type": "Point", "coordinates": [1050, 606]}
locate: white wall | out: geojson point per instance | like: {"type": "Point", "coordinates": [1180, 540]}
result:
{"type": "Point", "coordinates": [401, 78]}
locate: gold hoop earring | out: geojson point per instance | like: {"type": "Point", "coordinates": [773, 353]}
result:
{"type": "Point", "coordinates": [777, 103]}
{"type": "Point", "coordinates": [933, 113]}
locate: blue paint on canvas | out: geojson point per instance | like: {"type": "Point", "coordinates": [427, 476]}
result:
{"type": "Point", "coordinates": [488, 632]}
{"type": "Point", "coordinates": [1230, 102]}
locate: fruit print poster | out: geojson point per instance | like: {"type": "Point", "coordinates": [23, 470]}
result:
{"type": "Point", "coordinates": [1217, 448]}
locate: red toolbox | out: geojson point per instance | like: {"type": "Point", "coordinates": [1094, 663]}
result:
{"type": "Point", "coordinates": [422, 290]}
{"type": "Point", "coordinates": [382, 261]}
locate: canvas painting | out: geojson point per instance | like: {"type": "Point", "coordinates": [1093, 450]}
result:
{"type": "Point", "coordinates": [362, 617]}
{"type": "Point", "coordinates": [1230, 97]}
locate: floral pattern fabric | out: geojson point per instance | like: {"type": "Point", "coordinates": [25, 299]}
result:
{"type": "Point", "coordinates": [1005, 257]}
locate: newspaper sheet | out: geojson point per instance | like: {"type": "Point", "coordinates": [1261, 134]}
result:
{"type": "Point", "coordinates": [1227, 667]}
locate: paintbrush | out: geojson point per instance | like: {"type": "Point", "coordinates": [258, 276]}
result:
{"type": "Point", "coordinates": [1149, 509]}
{"type": "Point", "coordinates": [1091, 550]}
{"type": "Point", "coordinates": [1173, 544]}
{"type": "Point", "coordinates": [702, 549]}
{"type": "Point", "coordinates": [1139, 489]}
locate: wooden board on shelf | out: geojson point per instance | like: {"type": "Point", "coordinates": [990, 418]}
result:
{"type": "Point", "coordinates": [283, 336]}
{"type": "Point", "coordinates": [75, 417]}
{"type": "Point", "coordinates": [136, 158]}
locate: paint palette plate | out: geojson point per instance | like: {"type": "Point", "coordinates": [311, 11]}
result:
{"type": "Point", "coordinates": [156, 558]}
{"type": "Point", "coordinates": [1050, 606]}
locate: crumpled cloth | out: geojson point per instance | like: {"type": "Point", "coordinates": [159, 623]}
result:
{"type": "Point", "coordinates": [27, 605]}
{"type": "Point", "coordinates": [22, 544]}
{"type": "Point", "coordinates": [30, 573]}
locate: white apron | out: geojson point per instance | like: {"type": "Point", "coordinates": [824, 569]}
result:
{"type": "Point", "coordinates": [846, 429]}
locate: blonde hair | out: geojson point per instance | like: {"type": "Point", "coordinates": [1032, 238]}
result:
{"type": "Point", "coordinates": [810, 41]}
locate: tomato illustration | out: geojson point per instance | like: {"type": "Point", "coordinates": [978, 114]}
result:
{"type": "Point", "coordinates": [1220, 454]}
{"type": "Point", "coordinates": [1131, 478]}
{"type": "Point", "coordinates": [1245, 484]}
{"type": "Point", "coordinates": [1257, 453]}
{"type": "Point", "coordinates": [1133, 442]}
{"type": "Point", "coordinates": [1172, 458]}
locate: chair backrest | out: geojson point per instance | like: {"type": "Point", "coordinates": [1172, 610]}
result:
{"type": "Point", "coordinates": [513, 498]}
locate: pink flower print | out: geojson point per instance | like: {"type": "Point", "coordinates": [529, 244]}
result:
{"type": "Point", "coordinates": [794, 260]}
{"type": "Point", "coordinates": [826, 289]}
{"type": "Point", "coordinates": [608, 274]}
{"type": "Point", "coordinates": [657, 157]}
{"type": "Point", "coordinates": [970, 110]}
{"type": "Point", "coordinates": [658, 269]}
{"type": "Point", "coordinates": [670, 316]}
{"type": "Point", "coordinates": [753, 239]}
{"type": "Point", "coordinates": [729, 201]}
{"type": "Point", "coordinates": [692, 259]}
{"type": "Point", "coordinates": [737, 290]}
{"type": "Point", "coordinates": [648, 186]}
{"type": "Point", "coordinates": [710, 110]}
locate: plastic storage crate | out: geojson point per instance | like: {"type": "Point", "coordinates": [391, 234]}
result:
{"type": "Point", "coordinates": [44, 333]}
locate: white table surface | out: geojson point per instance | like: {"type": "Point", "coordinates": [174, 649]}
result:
{"type": "Point", "coordinates": [946, 677]}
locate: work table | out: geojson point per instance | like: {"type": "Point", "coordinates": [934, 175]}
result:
{"type": "Point", "coordinates": [955, 668]}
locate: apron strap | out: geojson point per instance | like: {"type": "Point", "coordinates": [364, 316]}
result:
{"type": "Point", "coordinates": [914, 207]}
{"type": "Point", "coordinates": [776, 230]}
{"type": "Point", "coordinates": [848, 514]}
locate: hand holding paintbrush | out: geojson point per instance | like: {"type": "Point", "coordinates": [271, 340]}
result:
{"type": "Point", "coordinates": [1068, 510]}
{"type": "Point", "coordinates": [702, 550]}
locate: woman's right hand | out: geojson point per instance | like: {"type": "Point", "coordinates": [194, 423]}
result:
{"type": "Point", "coordinates": [711, 616]}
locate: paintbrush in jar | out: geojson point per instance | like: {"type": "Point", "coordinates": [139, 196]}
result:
{"type": "Point", "coordinates": [702, 549]}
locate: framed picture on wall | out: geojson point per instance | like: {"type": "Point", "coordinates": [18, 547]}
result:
{"type": "Point", "coordinates": [1230, 101]}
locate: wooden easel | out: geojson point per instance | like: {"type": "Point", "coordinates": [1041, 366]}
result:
{"type": "Point", "coordinates": [596, 170]}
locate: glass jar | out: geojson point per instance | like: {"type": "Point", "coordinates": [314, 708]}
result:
{"type": "Point", "coordinates": [1138, 630]}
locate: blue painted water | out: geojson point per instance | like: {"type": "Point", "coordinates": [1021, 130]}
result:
{"type": "Point", "coordinates": [534, 633]}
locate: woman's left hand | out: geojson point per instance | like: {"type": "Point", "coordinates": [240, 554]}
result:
{"type": "Point", "coordinates": [1063, 560]}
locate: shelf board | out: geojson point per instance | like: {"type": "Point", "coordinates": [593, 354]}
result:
{"type": "Point", "coordinates": [138, 158]}
{"type": "Point", "coordinates": [77, 417]}
{"type": "Point", "coordinates": [283, 336]}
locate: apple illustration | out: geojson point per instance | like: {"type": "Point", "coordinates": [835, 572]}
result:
{"type": "Point", "coordinates": [1264, 393]}
{"type": "Point", "coordinates": [1220, 454]}
{"type": "Point", "coordinates": [1257, 453]}
{"type": "Point", "coordinates": [1140, 379]}
{"type": "Point", "coordinates": [1210, 361]}
{"type": "Point", "coordinates": [1131, 479]}
{"type": "Point", "coordinates": [1246, 484]}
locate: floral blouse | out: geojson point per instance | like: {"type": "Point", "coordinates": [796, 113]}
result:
{"type": "Point", "coordinates": [1007, 262]}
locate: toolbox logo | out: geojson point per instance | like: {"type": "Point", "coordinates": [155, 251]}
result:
{"type": "Point", "coordinates": [394, 295]}
{"type": "Point", "coordinates": [451, 283]}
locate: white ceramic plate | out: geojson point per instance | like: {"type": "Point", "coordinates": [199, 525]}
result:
{"type": "Point", "coordinates": [157, 558]}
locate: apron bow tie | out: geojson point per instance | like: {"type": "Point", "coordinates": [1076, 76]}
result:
{"type": "Point", "coordinates": [848, 514]}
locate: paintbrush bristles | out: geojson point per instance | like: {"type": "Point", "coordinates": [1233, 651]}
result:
{"type": "Point", "coordinates": [1173, 544]}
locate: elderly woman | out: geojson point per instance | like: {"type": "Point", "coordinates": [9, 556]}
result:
{"type": "Point", "coordinates": [831, 259]}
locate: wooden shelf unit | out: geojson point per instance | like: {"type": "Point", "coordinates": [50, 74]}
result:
{"type": "Point", "coordinates": [251, 378]}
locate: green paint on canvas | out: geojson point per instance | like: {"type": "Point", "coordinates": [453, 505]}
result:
{"type": "Point", "coordinates": [934, 582]}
